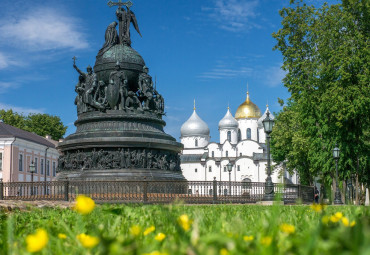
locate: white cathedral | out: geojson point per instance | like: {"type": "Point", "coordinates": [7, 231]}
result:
{"type": "Point", "coordinates": [242, 143]}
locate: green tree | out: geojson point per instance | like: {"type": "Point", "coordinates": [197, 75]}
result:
{"type": "Point", "coordinates": [44, 124]}
{"type": "Point", "coordinates": [12, 118]}
{"type": "Point", "coordinates": [41, 124]}
{"type": "Point", "coordinates": [326, 56]}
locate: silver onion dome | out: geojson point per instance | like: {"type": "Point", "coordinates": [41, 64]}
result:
{"type": "Point", "coordinates": [194, 126]}
{"type": "Point", "coordinates": [228, 121]}
{"type": "Point", "coordinates": [259, 122]}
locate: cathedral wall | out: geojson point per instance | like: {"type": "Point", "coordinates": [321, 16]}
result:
{"type": "Point", "coordinates": [193, 171]}
{"type": "Point", "coordinates": [247, 148]}
{"type": "Point", "coordinates": [244, 124]}
{"type": "Point", "coordinates": [214, 150]}
{"type": "Point", "coordinates": [233, 136]}
{"type": "Point", "coordinates": [195, 141]}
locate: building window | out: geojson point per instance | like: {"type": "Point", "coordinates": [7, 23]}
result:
{"type": "Point", "coordinates": [42, 166]}
{"type": "Point", "coordinates": [209, 169]}
{"type": "Point", "coordinates": [239, 135]}
{"type": "Point", "coordinates": [196, 142]}
{"type": "Point", "coordinates": [258, 136]}
{"type": "Point", "coordinates": [249, 135]}
{"type": "Point", "coordinates": [20, 167]}
{"type": "Point", "coordinates": [240, 154]}
{"type": "Point", "coordinates": [229, 136]}
{"type": "Point", "coordinates": [36, 162]}
{"type": "Point", "coordinates": [47, 167]}
{"type": "Point", "coordinates": [1, 161]}
{"type": "Point", "coordinates": [54, 169]}
{"type": "Point", "coordinates": [246, 183]}
{"type": "Point", "coordinates": [227, 153]}
{"type": "Point", "coordinates": [224, 168]}
{"type": "Point", "coordinates": [213, 154]}
{"type": "Point", "coordinates": [196, 170]}
{"type": "Point", "coordinates": [238, 168]}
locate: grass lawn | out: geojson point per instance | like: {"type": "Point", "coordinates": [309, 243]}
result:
{"type": "Point", "coordinates": [183, 229]}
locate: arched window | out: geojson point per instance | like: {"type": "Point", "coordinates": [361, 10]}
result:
{"type": "Point", "coordinates": [196, 142]}
{"type": "Point", "coordinates": [249, 135]}
{"type": "Point", "coordinates": [239, 135]}
{"type": "Point", "coordinates": [229, 136]}
{"type": "Point", "coordinates": [246, 183]}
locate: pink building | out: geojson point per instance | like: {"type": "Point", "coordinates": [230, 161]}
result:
{"type": "Point", "coordinates": [18, 148]}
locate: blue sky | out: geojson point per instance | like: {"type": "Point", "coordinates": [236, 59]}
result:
{"type": "Point", "coordinates": [208, 50]}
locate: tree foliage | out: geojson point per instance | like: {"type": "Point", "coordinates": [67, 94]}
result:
{"type": "Point", "coordinates": [326, 57]}
{"type": "Point", "coordinates": [41, 124]}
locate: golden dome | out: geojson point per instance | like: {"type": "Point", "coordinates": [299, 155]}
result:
{"type": "Point", "coordinates": [247, 110]}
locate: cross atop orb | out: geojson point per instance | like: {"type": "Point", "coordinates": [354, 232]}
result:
{"type": "Point", "coordinates": [128, 4]}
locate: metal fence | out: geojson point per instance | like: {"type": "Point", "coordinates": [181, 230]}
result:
{"type": "Point", "coordinates": [192, 192]}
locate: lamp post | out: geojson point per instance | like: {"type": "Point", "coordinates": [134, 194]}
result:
{"type": "Point", "coordinates": [337, 198]}
{"type": "Point", "coordinates": [229, 168]}
{"type": "Point", "coordinates": [32, 171]}
{"type": "Point", "coordinates": [268, 124]}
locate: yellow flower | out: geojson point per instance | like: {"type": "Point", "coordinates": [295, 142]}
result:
{"type": "Point", "coordinates": [318, 207]}
{"type": "Point", "coordinates": [266, 241]}
{"type": "Point", "coordinates": [336, 217]}
{"type": "Point", "coordinates": [159, 237]}
{"type": "Point", "coordinates": [353, 223]}
{"type": "Point", "coordinates": [37, 241]}
{"type": "Point", "coordinates": [62, 236]}
{"type": "Point", "coordinates": [185, 222]}
{"type": "Point", "coordinates": [156, 253]}
{"type": "Point", "coordinates": [325, 219]}
{"type": "Point", "coordinates": [88, 241]}
{"type": "Point", "coordinates": [248, 238]}
{"type": "Point", "coordinates": [149, 230]}
{"type": "Point", "coordinates": [135, 230]}
{"type": "Point", "coordinates": [223, 251]}
{"type": "Point", "coordinates": [287, 228]}
{"type": "Point", "coordinates": [84, 204]}
{"type": "Point", "coordinates": [345, 221]}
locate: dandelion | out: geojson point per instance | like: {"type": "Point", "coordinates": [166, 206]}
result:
{"type": "Point", "coordinates": [266, 241]}
{"type": "Point", "coordinates": [185, 222]}
{"type": "Point", "coordinates": [149, 230]}
{"type": "Point", "coordinates": [135, 230]}
{"type": "Point", "coordinates": [84, 204]}
{"type": "Point", "coordinates": [248, 238]}
{"type": "Point", "coordinates": [156, 253]}
{"type": "Point", "coordinates": [62, 236]}
{"type": "Point", "coordinates": [224, 251]}
{"type": "Point", "coordinates": [318, 207]}
{"type": "Point", "coordinates": [336, 217]}
{"type": "Point", "coordinates": [345, 221]}
{"type": "Point", "coordinates": [37, 241]}
{"type": "Point", "coordinates": [325, 219]}
{"type": "Point", "coordinates": [352, 224]}
{"type": "Point", "coordinates": [160, 237]}
{"type": "Point", "coordinates": [88, 241]}
{"type": "Point", "coordinates": [287, 228]}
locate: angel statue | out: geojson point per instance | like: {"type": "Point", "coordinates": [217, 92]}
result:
{"type": "Point", "coordinates": [125, 18]}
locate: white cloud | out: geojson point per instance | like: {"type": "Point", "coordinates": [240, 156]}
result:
{"type": "Point", "coordinates": [234, 15]}
{"type": "Point", "coordinates": [20, 109]}
{"type": "Point", "coordinates": [5, 61]}
{"type": "Point", "coordinates": [273, 76]}
{"type": "Point", "coordinates": [42, 29]}
{"type": "Point", "coordinates": [225, 73]}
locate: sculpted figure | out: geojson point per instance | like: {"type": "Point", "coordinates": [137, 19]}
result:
{"type": "Point", "coordinates": [150, 159]}
{"type": "Point", "coordinates": [146, 87]}
{"type": "Point", "coordinates": [122, 157]}
{"type": "Point", "coordinates": [116, 88]}
{"type": "Point", "coordinates": [91, 84]}
{"type": "Point", "coordinates": [132, 102]}
{"type": "Point", "coordinates": [116, 160]}
{"type": "Point", "coordinates": [111, 38]}
{"type": "Point", "coordinates": [80, 89]}
{"type": "Point", "coordinates": [125, 18]}
{"type": "Point", "coordinates": [128, 158]}
{"type": "Point", "coordinates": [159, 103]}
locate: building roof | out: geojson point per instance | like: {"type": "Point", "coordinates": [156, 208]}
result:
{"type": "Point", "coordinates": [194, 126]}
{"type": "Point", "coordinates": [228, 121]}
{"type": "Point", "coordinates": [247, 110]}
{"type": "Point", "coordinates": [7, 131]}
